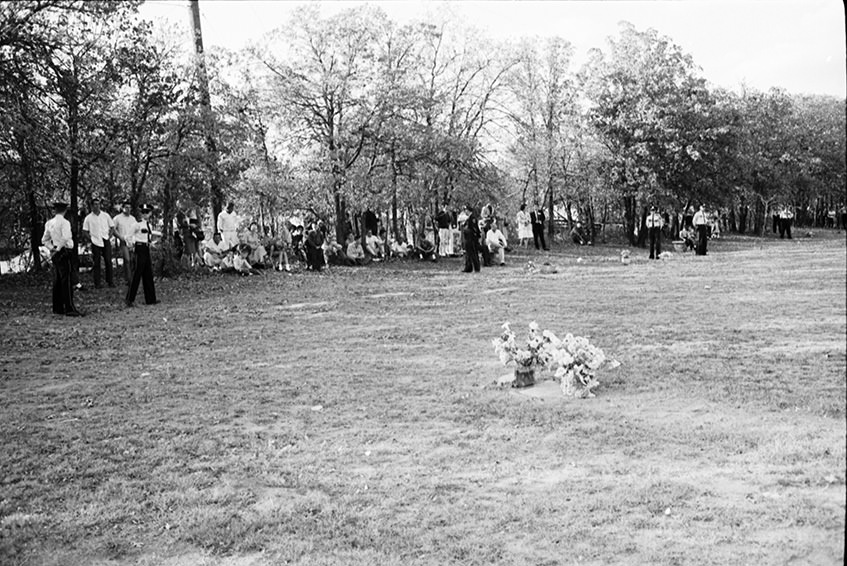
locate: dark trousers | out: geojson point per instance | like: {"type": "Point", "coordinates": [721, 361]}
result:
{"type": "Point", "coordinates": [106, 253]}
{"type": "Point", "coordinates": [785, 227]}
{"type": "Point", "coordinates": [143, 273]}
{"type": "Point", "coordinates": [702, 238]}
{"type": "Point", "coordinates": [486, 254]}
{"type": "Point", "coordinates": [538, 236]}
{"type": "Point", "coordinates": [655, 242]}
{"type": "Point", "coordinates": [775, 223]}
{"type": "Point", "coordinates": [63, 290]}
{"type": "Point", "coordinates": [471, 257]}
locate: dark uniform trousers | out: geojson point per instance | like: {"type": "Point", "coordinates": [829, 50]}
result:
{"type": "Point", "coordinates": [143, 273]}
{"type": "Point", "coordinates": [470, 241]}
{"type": "Point", "coordinates": [63, 291]}
{"type": "Point", "coordinates": [702, 238]}
{"type": "Point", "coordinates": [655, 242]}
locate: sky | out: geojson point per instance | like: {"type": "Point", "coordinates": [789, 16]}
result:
{"type": "Point", "coordinates": [798, 45]}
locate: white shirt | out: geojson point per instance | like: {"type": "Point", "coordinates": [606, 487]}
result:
{"type": "Point", "coordinates": [373, 243]}
{"type": "Point", "coordinates": [57, 233]}
{"type": "Point", "coordinates": [214, 248]}
{"type": "Point", "coordinates": [141, 232]}
{"type": "Point", "coordinates": [495, 238]}
{"type": "Point", "coordinates": [700, 218]}
{"type": "Point", "coordinates": [654, 220]}
{"type": "Point", "coordinates": [124, 225]}
{"type": "Point", "coordinates": [228, 222]}
{"type": "Point", "coordinates": [98, 227]}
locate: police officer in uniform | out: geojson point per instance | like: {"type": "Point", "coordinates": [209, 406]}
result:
{"type": "Point", "coordinates": [654, 230]}
{"type": "Point", "coordinates": [142, 236]}
{"type": "Point", "coordinates": [58, 238]}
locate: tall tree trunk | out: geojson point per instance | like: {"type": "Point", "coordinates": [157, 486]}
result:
{"type": "Point", "coordinates": [206, 105]}
{"type": "Point", "coordinates": [759, 218]}
{"type": "Point", "coordinates": [629, 218]}
{"type": "Point", "coordinates": [642, 230]}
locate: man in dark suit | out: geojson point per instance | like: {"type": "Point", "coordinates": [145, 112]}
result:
{"type": "Point", "coordinates": [537, 218]}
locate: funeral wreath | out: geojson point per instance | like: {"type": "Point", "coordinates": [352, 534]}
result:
{"type": "Point", "coordinates": [574, 359]}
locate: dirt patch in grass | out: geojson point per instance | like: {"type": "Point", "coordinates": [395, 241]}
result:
{"type": "Point", "coordinates": [352, 417]}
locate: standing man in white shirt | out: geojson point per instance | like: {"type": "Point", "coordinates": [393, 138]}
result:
{"type": "Point", "coordinates": [228, 226]}
{"type": "Point", "coordinates": [654, 230]}
{"type": "Point", "coordinates": [124, 225]}
{"type": "Point", "coordinates": [59, 239]}
{"type": "Point", "coordinates": [99, 228]}
{"type": "Point", "coordinates": [142, 236]}
{"type": "Point", "coordinates": [701, 224]}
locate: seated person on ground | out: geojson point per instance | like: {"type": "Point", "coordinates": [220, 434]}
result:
{"type": "Point", "coordinates": [331, 249]}
{"type": "Point", "coordinates": [496, 242]}
{"type": "Point", "coordinates": [253, 239]}
{"type": "Point", "coordinates": [425, 249]}
{"type": "Point", "coordinates": [687, 235]}
{"type": "Point", "coordinates": [578, 236]}
{"type": "Point", "coordinates": [373, 245]}
{"type": "Point", "coordinates": [215, 251]}
{"type": "Point", "coordinates": [355, 251]}
{"type": "Point", "coordinates": [241, 262]}
{"type": "Point", "coordinates": [399, 248]}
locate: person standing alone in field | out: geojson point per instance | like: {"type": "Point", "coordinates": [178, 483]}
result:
{"type": "Point", "coordinates": [701, 225]}
{"type": "Point", "coordinates": [99, 227]}
{"type": "Point", "coordinates": [142, 237]}
{"type": "Point", "coordinates": [124, 223]}
{"type": "Point", "coordinates": [654, 230]}
{"type": "Point", "coordinates": [59, 239]}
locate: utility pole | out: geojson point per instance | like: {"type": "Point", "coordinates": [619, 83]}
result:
{"type": "Point", "coordinates": [206, 106]}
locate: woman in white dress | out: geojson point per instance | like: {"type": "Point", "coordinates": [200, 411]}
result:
{"type": "Point", "coordinates": [524, 226]}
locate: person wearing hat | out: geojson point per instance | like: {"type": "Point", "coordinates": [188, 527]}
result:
{"type": "Point", "coordinates": [654, 225]}
{"type": "Point", "coordinates": [58, 238]}
{"type": "Point", "coordinates": [124, 224]}
{"type": "Point", "coordinates": [142, 237]}
{"type": "Point", "coordinates": [701, 225]}
{"type": "Point", "coordinates": [99, 228]}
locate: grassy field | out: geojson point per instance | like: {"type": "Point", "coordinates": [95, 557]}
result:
{"type": "Point", "coordinates": [352, 417]}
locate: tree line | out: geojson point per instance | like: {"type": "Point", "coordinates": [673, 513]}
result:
{"type": "Point", "coordinates": [333, 115]}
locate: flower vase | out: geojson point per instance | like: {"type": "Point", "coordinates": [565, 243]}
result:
{"type": "Point", "coordinates": [524, 376]}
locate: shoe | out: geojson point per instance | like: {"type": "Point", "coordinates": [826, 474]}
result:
{"type": "Point", "coordinates": [503, 264]}
{"type": "Point", "coordinates": [129, 304]}
{"type": "Point", "coordinates": [153, 303]}
{"type": "Point", "coordinates": [73, 313]}
{"type": "Point", "coordinates": [78, 286]}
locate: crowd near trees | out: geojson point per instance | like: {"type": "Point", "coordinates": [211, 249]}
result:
{"type": "Point", "coordinates": [334, 115]}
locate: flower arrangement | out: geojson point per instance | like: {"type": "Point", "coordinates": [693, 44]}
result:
{"type": "Point", "coordinates": [573, 358]}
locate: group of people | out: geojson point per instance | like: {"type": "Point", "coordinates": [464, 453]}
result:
{"type": "Point", "coordinates": [133, 236]}
{"type": "Point", "coordinates": [531, 227]}
{"type": "Point", "coordinates": [783, 217]}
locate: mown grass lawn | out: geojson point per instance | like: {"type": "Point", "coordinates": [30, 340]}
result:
{"type": "Point", "coordinates": [351, 417]}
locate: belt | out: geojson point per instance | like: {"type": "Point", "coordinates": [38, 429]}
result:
{"type": "Point", "coordinates": [141, 244]}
